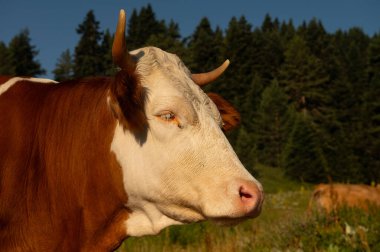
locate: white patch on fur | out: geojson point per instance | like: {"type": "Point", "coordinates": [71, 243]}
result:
{"type": "Point", "coordinates": [4, 87]}
{"type": "Point", "coordinates": [148, 221]}
{"type": "Point", "coordinates": [146, 218]}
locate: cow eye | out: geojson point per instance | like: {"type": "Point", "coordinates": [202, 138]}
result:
{"type": "Point", "coordinates": [167, 116]}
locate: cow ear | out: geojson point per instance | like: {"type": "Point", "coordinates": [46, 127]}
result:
{"type": "Point", "coordinates": [127, 101]}
{"type": "Point", "coordinates": [127, 94]}
{"type": "Point", "coordinates": [230, 116]}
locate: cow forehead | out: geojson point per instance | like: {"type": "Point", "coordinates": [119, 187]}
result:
{"type": "Point", "coordinates": [149, 58]}
{"type": "Point", "coordinates": [168, 74]}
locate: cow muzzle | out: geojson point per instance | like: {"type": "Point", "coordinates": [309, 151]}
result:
{"type": "Point", "coordinates": [244, 200]}
{"type": "Point", "coordinates": [250, 198]}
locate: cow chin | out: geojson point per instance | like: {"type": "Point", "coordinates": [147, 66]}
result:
{"type": "Point", "coordinates": [227, 222]}
{"type": "Point", "coordinates": [232, 221]}
{"type": "Point", "coordinates": [186, 216]}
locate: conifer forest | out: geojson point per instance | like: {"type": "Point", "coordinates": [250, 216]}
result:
{"type": "Point", "coordinates": [309, 99]}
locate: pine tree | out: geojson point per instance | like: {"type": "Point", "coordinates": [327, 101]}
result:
{"type": "Point", "coordinates": [372, 132]}
{"type": "Point", "coordinates": [203, 48]}
{"type": "Point", "coordinates": [344, 166]}
{"type": "Point", "coordinates": [268, 50]}
{"type": "Point", "coordinates": [269, 26]}
{"type": "Point", "coordinates": [349, 87]}
{"type": "Point", "coordinates": [133, 33]}
{"type": "Point", "coordinates": [304, 78]}
{"type": "Point", "coordinates": [64, 69]}
{"type": "Point", "coordinates": [22, 56]}
{"type": "Point", "coordinates": [204, 51]}
{"type": "Point", "coordinates": [245, 149]}
{"type": "Point", "coordinates": [5, 67]}
{"type": "Point", "coordinates": [370, 116]}
{"type": "Point", "coordinates": [251, 103]}
{"type": "Point", "coordinates": [88, 55]}
{"type": "Point", "coordinates": [169, 40]}
{"type": "Point", "coordinates": [239, 74]}
{"type": "Point", "coordinates": [287, 31]}
{"type": "Point", "coordinates": [218, 58]}
{"type": "Point", "coordinates": [374, 57]}
{"type": "Point", "coordinates": [106, 51]}
{"type": "Point", "coordinates": [237, 79]}
{"type": "Point", "coordinates": [337, 135]}
{"type": "Point", "coordinates": [303, 158]}
{"type": "Point", "coordinates": [353, 61]}
{"type": "Point", "coordinates": [315, 36]}
{"type": "Point", "coordinates": [357, 58]}
{"type": "Point", "coordinates": [142, 26]}
{"type": "Point", "coordinates": [270, 126]}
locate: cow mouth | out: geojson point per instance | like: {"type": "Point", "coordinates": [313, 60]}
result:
{"type": "Point", "coordinates": [231, 221]}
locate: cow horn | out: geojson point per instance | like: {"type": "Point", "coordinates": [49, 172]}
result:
{"type": "Point", "coordinates": [205, 78]}
{"type": "Point", "coordinates": [120, 54]}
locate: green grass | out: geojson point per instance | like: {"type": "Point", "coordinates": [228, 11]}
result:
{"type": "Point", "coordinates": [274, 181]}
{"type": "Point", "coordinates": [284, 225]}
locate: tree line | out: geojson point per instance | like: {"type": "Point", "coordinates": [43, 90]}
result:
{"type": "Point", "coordinates": [309, 99]}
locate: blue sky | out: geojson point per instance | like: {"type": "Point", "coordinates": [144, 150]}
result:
{"type": "Point", "coordinates": [52, 23]}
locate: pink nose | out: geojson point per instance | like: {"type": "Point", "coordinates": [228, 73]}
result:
{"type": "Point", "coordinates": [251, 198]}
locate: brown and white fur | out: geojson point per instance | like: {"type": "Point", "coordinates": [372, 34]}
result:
{"type": "Point", "coordinates": [86, 163]}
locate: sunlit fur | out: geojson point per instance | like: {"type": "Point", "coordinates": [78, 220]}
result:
{"type": "Point", "coordinates": [9, 82]}
{"type": "Point", "coordinates": [176, 174]}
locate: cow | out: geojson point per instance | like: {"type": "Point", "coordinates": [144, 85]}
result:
{"type": "Point", "coordinates": [86, 163]}
{"type": "Point", "coordinates": [330, 197]}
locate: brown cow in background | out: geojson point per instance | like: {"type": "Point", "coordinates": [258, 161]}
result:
{"type": "Point", "coordinates": [329, 197]}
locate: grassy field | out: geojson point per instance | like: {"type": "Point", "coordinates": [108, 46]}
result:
{"type": "Point", "coordinates": [284, 225]}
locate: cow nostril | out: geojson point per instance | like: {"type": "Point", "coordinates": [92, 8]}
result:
{"type": "Point", "coordinates": [243, 193]}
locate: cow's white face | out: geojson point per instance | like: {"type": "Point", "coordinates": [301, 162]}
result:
{"type": "Point", "coordinates": [182, 169]}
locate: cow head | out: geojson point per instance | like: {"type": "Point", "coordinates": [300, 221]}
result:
{"type": "Point", "coordinates": [178, 167]}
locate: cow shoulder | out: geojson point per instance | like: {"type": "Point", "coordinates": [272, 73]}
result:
{"type": "Point", "coordinates": [7, 82]}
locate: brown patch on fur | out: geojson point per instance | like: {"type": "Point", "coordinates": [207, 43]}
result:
{"type": "Point", "coordinates": [230, 116]}
{"type": "Point", "coordinates": [4, 79]}
{"type": "Point", "coordinates": [127, 100]}
{"type": "Point", "coordinates": [61, 188]}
